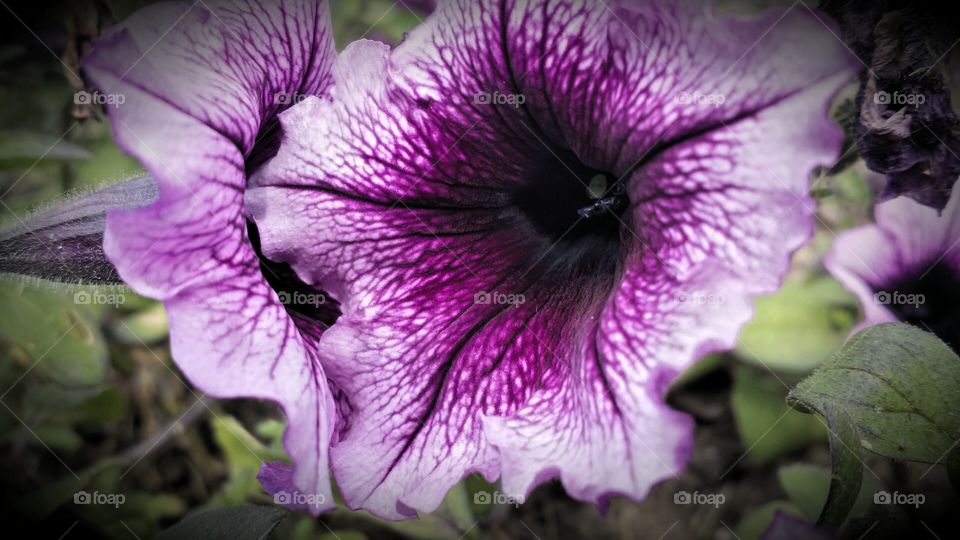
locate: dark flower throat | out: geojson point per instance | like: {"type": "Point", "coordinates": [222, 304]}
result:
{"type": "Point", "coordinates": [939, 311]}
{"type": "Point", "coordinates": [577, 209]}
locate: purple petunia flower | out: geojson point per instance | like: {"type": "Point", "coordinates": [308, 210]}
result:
{"type": "Point", "coordinates": [202, 85]}
{"type": "Point", "coordinates": [905, 126]}
{"type": "Point", "coordinates": [906, 267]}
{"type": "Point", "coordinates": [534, 215]}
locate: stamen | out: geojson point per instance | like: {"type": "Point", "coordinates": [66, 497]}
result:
{"type": "Point", "coordinates": [597, 186]}
{"type": "Point", "coordinates": [614, 202]}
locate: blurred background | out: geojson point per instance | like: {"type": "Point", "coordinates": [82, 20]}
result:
{"type": "Point", "coordinates": [90, 401]}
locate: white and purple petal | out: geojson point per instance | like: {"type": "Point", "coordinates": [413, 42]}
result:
{"type": "Point", "coordinates": [486, 328]}
{"type": "Point", "coordinates": [202, 84]}
{"type": "Point", "coordinates": [906, 266]}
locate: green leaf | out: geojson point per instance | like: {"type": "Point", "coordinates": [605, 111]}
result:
{"type": "Point", "coordinates": [459, 506]}
{"type": "Point", "coordinates": [246, 522]}
{"type": "Point", "coordinates": [474, 484]}
{"type": "Point", "coordinates": [800, 326]}
{"type": "Point", "coordinates": [768, 428]}
{"type": "Point", "coordinates": [243, 454]}
{"type": "Point", "coordinates": [148, 326]}
{"type": "Point", "coordinates": [107, 407]}
{"type": "Point", "coordinates": [58, 437]}
{"type": "Point", "coordinates": [892, 390]}
{"type": "Point", "coordinates": [898, 385]}
{"type": "Point", "coordinates": [270, 429]}
{"type": "Point", "coordinates": [852, 186]}
{"type": "Point", "coordinates": [355, 20]}
{"type": "Point", "coordinates": [51, 399]}
{"type": "Point", "coordinates": [24, 148]}
{"type": "Point", "coordinates": [846, 468]}
{"type": "Point", "coordinates": [806, 485]}
{"type": "Point", "coordinates": [866, 515]}
{"type": "Point", "coordinates": [756, 522]}
{"type": "Point", "coordinates": [298, 527]}
{"type": "Point", "coordinates": [153, 507]}
{"type": "Point", "coordinates": [62, 341]}
{"type": "Point", "coordinates": [109, 164]}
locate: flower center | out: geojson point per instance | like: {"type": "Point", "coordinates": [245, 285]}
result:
{"type": "Point", "coordinates": [930, 300]}
{"type": "Point", "coordinates": [577, 209]}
